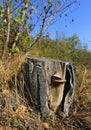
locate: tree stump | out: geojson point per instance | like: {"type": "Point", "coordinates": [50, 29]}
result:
{"type": "Point", "coordinates": [50, 84]}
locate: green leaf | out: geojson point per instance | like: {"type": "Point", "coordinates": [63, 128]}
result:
{"type": "Point", "coordinates": [59, 2]}
{"type": "Point", "coordinates": [14, 49]}
{"type": "Point", "coordinates": [16, 0]}
{"type": "Point", "coordinates": [33, 8]}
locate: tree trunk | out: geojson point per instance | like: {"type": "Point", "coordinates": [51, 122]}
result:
{"type": "Point", "coordinates": [8, 30]}
{"type": "Point", "coordinates": [50, 84]}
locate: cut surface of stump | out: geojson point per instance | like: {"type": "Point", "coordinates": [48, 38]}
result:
{"type": "Point", "coordinates": [50, 84]}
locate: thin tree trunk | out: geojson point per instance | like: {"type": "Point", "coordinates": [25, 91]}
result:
{"type": "Point", "coordinates": [20, 28]}
{"type": "Point", "coordinates": [8, 30]}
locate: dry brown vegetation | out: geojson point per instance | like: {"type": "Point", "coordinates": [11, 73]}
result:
{"type": "Point", "coordinates": [16, 114]}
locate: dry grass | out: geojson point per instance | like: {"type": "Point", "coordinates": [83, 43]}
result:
{"type": "Point", "coordinates": [82, 101]}
{"type": "Point", "coordinates": [15, 113]}
{"type": "Point", "coordinates": [10, 100]}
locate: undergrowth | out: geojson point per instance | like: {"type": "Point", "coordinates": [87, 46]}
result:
{"type": "Point", "coordinates": [15, 112]}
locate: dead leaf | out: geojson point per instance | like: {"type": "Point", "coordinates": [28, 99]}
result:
{"type": "Point", "coordinates": [62, 127]}
{"type": "Point", "coordinates": [45, 125]}
{"type": "Point", "coordinates": [21, 110]}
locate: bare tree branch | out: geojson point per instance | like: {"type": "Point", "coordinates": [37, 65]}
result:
{"type": "Point", "coordinates": [45, 23]}
{"type": "Point", "coordinates": [17, 7]}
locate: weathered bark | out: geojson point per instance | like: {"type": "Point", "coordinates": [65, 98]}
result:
{"type": "Point", "coordinates": [50, 84]}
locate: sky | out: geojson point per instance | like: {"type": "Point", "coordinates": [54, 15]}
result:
{"type": "Point", "coordinates": [81, 25]}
